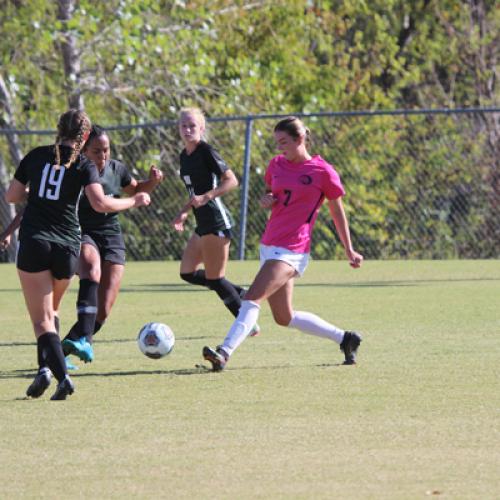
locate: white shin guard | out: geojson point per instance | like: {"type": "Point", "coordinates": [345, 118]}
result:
{"type": "Point", "coordinates": [313, 325]}
{"type": "Point", "coordinates": [246, 319]}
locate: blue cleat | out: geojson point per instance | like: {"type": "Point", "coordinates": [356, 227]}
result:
{"type": "Point", "coordinates": [69, 364]}
{"type": "Point", "coordinates": [81, 348]}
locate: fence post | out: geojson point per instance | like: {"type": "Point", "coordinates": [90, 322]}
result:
{"type": "Point", "coordinates": [244, 189]}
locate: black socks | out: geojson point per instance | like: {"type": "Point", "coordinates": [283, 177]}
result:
{"type": "Point", "coordinates": [50, 350]}
{"type": "Point", "coordinates": [86, 307]}
{"type": "Point", "coordinates": [196, 278]}
{"type": "Point", "coordinates": [228, 293]}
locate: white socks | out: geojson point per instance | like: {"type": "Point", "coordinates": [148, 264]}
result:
{"type": "Point", "coordinates": [313, 325]}
{"type": "Point", "coordinates": [244, 322]}
{"type": "Point", "coordinates": [304, 321]}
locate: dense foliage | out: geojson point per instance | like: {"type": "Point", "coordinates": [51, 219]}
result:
{"type": "Point", "coordinates": [135, 62]}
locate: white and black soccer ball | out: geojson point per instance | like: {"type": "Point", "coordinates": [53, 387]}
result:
{"type": "Point", "coordinates": [155, 340]}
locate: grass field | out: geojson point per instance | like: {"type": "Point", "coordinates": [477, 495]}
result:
{"type": "Point", "coordinates": [418, 416]}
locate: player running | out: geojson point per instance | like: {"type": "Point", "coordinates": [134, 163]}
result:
{"type": "Point", "coordinates": [207, 178]}
{"type": "Point", "coordinates": [50, 179]}
{"type": "Point", "coordinates": [297, 185]}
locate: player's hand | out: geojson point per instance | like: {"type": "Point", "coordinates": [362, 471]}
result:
{"type": "Point", "coordinates": [267, 200]}
{"type": "Point", "coordinates": [142, 200]}
{"type": "Point", "coordinates": [155, 174]}
{"type": "Point", "coordinates": [5, 241]}
{"type": "Point", "coordinates": [355, 258]}
{"type": "Point", "coordinates": [199, 201]}
{"type": "Point", "coordinates": [178, 222]}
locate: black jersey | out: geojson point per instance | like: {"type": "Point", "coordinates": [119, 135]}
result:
{"type": "Point", "coordinates": [53, 194]}
{"type": "Point", "coordinates": [113, 178]}
{"type": "Point", "coordinates": [201, 171]}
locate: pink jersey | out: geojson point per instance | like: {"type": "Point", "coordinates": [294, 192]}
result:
{"type": "Point", "coordinates": [299, 189]}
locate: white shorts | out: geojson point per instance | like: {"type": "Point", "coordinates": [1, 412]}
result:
{"type": "Point", "coordinates": [298, 261]}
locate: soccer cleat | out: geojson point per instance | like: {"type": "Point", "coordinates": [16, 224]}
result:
{"type": "Point", "coordinates": [64, 388]}
{"type": "Point", "coordinates": [69, 364]}
{"type": "Point", "coordinates": [218, 358]}
{"type": "Point", "coordinates": [81, 348]}
{"type": "Point", "coordinates": [255, 330]}
{"type": "Point", "coordinates": [350, 346]}
{"type": "Point", "coordinates": [40, 383]}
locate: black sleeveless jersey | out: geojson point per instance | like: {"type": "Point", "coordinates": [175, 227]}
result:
{"type": "Point", "coordinates": [113, 178]}
{"type": "Point", "coordinates": [201, 171]}
{"type": "Point", "coordinates": [51, 212]}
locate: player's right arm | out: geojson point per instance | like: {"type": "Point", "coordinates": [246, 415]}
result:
{"type": "Point", "coordinates": [5, 236]}
{"type": "Point", "coordinates": [181, 217]}
{"type": "Point", "coordinates": [17, 192]}
{"type": "Point", "coordinates": [267, 200]}
{"type": "Point", "coordinates": [102, 203]}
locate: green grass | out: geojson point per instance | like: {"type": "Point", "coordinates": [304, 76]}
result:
{"type": "Point", "coordinates": [418, 416]}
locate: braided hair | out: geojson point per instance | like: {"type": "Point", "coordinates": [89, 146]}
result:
{"type": "Point", "coordinates": [73, 125]}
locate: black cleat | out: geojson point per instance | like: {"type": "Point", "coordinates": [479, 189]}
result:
{"type": "Point", "coordinates": [350, 346]}
{"type": "Point", "coordinates": [218, 358]}
{"type": "Point", "coordinates": [64, 388]}
{"type": "Point", "coordinates": [40, 384]}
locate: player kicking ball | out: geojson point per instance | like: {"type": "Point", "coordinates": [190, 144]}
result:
{"type": "Point", "coordinates": [297, 184]}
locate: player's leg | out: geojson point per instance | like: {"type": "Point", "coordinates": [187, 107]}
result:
{"type": "Point", "coordinates": [215, 251]}
{"type": "Point", "coordinates": [111, 279]}
{"type": "Point", "coordinates": [192, 258]}
{"type": "Point", "coordinates": [311, 324]}
{"type": "Point", "coordinates": [38, 295]}
{"type": "Point", "coordinates": [280, 303]}
{"type": "Point", "coordinates": [59, 287]}
{"type": "Point", "coordinates": [89, 270]}
{"type": "Point", "coordinates": [272, 276]}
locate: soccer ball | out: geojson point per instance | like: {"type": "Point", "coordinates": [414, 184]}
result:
{"type": "Point", "coordinates": [155, 340]}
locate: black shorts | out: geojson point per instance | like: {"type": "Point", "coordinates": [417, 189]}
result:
{"type": "Point", "coordinates": [35, 256]}
{"type": "Point", "coordinates": [110, 248]}
{"type": "Point", "coordinates": [221, 233]}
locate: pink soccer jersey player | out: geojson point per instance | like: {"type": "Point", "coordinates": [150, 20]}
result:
{"type": "Point", "coordinates": [299, 190]}
{"type": "Point", "coordinates": [297, 184]}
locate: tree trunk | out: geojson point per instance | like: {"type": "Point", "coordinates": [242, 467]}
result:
{"type": "Point", "coordinates": [7, 211]}
{"type": "Point", "coordinates": [70, 54]}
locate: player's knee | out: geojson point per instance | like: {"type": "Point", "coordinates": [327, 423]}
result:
{"type": "Point", "coordinates": [90, 272]}
{"type": "Point", "coordinates": [44, 324]}
{"type": "Point", "coordinates": [282, 319]}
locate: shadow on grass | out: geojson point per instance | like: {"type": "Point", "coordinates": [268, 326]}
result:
{"type": "Point", "coordinates": [28, 373]}
{"type": "Point", "coordinates": [179, 287]}
{"type": "Point", "coordinates": [174, 287]}
{"type": "Point", "coordinates": [100, 341]}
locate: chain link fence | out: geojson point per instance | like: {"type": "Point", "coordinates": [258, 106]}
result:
{"type": "Point", "coordinates": [420, 184]}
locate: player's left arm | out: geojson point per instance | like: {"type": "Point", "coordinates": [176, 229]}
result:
{"type": "Point", "coordinates": [342, 226]}
{"type": "Point", "coordinates": [228, 181]}
{"type": "Point", "coordinates": [147, 186]}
